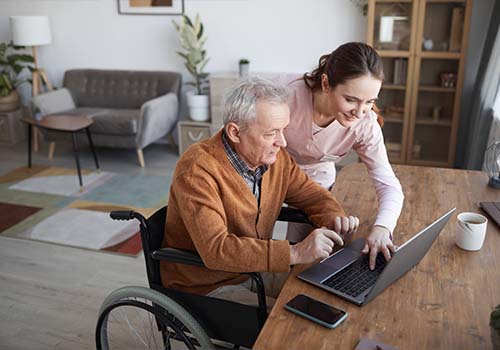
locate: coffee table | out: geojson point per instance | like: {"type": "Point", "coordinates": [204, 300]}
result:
{"type": "Point", "coordinates": [63, 123]}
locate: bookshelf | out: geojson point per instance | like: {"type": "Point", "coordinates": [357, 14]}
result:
{"type": "Point", "coordinates": [422, 44]}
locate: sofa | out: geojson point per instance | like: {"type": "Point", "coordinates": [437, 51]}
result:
{"type": "Point", "coordinates": [130, 109]}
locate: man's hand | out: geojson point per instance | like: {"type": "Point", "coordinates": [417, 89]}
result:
{"type": "Point", "coordinates": [379, 240]}
{"type": "Point", "coordinates": [346, 225]}
{"type": "Point", "coordinates": [317, 245]}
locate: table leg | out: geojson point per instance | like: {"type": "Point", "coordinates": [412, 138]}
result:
{"type": "Point", "coordinates": [92, 148]}
{"type": "Point", "coordinates": [77, 159]}
{"type": "Point", "coordinates": [29, 145]}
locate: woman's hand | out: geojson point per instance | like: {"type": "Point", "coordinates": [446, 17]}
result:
{"type": "Point", "coordinates": [379, 240]}
{"type": "Point", "coordinates": [346, 225]}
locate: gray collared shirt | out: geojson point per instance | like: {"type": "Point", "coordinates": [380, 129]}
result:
{"type": "Point", "coordinates": [252, 178]}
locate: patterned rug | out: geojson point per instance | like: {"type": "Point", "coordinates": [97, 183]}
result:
{"type": "Point", "coordinates": [47, 204]}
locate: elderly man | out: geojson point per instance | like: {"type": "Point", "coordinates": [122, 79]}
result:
{"type": "Point", "coordinates": [227, 192]}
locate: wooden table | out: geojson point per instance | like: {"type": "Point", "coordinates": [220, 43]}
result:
{"type": "Point", "coordinates": [442, 303]}
{"type": "Point", "coordinates": [63, 123]}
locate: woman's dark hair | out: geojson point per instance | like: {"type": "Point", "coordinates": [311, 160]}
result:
{"type": "Point", "coordinates": [349, 61]}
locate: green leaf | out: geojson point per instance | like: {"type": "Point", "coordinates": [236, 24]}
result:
{"type": "Point", "coordinates": [16, 47]}
{"type": "Point", "coordinates": [190, 69]}
{"type": "Point", "coordinates": [3, 50]}
{"type": "Point", "coordinates": [197, 24]}
{"type": "Point", "coordinates": [188, 21]}
{"type": "Point", "coordinates": [203, 64]}
{"type": "Point", "coordinates": [26, 58]}
{"type": "Point", "coordinates": [177, 27]}
{"type": "Point", "coordinates": [17, 68]}
{"type": "Point", "coordinates": [6, 82]}
{"type": "Point", "coordinates": [183, 55]}
{"type": "Point", "coordinates": [200, 32]}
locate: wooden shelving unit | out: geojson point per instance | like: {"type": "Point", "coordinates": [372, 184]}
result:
{"type": "Point", "coordinates": [422, 44]}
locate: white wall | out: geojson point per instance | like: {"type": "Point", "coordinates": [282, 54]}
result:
{"type": "Point", "coordinates": [276, 35]}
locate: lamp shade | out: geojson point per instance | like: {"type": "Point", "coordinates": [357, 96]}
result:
{"type": "Point", "coordinates": [30, 30]}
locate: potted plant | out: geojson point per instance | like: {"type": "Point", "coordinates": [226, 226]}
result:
{"type": "Point", "coordinates": [12, 63]}
{"type": "Point", "coordinates": [192, 41]}
{"type": "Point", "coordinates": [244, 67]}
{"type": "Point", "coordinates": [495, 327]}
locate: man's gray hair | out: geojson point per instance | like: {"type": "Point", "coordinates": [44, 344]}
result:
{"type": "Point", "coordinates": [240, 103]}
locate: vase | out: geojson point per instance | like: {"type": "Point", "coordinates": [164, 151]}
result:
{"type": "Point", "coordinates": [244, 69]}
{"type": "Point", "coordinates": [10, 102]}
{"type": "Point", "coordinates": [198, 107]}
{"type": "Point", "coordinates": [495, 338]}
{"type": "Point", "coordinates": [428, 44]}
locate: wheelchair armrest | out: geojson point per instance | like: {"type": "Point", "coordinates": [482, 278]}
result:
{"type": "Point", "coordinates": [178, 256]}
{"type": "Point", "coordinates": [293, 215]}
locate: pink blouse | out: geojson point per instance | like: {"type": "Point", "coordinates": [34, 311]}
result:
{"type": "Point", "coordinates": [316, 150]}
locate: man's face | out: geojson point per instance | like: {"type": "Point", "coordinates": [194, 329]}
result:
{"type": "Point", "coordinates": [261, 140]}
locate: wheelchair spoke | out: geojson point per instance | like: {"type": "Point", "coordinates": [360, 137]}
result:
{"type": "Point", "coordinates": [135, 324]}
{"type": "Point", "coordinates": [140, 318]}
{"type": "Point", "coordinates": [139, 340]}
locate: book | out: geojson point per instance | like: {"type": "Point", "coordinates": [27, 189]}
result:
{"type": "Point", "coordinates": [456, 29]}
{"type": "Point", "coordinates": [399, 74]}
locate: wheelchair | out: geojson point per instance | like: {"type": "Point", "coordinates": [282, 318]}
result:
{"type": "Point", "coordinates": [136, 317]}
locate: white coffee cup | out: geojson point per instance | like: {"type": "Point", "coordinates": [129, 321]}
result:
{"type": "Point", "coordinates": [471, 231]}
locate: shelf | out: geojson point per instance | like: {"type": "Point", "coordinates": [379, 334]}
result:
{"type": "Point", "coordinates": [393, 87]}
{"type": "Point", "coordinates": [428, 162]}
{"type": "Point", "coordinates": [392, 120]}
{"type": "Point", "coordinates": [446, 1]}
{"type": "Point", "coordinates": [441, 54]}
{"type": "Point", "coordinates": [436, 88]}
{"type": "Point", "coordinates": [390, 1]}
{"type": "Point", "coordinates": [394, 157]}
{"type": "Point", "coordinates": [393, 53]}
{"type": "Point", "coordinates": [430, 121]}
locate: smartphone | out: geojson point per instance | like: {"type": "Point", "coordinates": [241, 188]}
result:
{"type": "Point", "coordinates": [316, 311]}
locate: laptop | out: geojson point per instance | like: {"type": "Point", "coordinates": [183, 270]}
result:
{"type": "Point", "coordinates": [492, 209]}
{"type": "Point", "coordinates": [346, 273]}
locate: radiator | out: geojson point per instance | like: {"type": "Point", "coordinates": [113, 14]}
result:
{"type": "Point", "coordinates": [494, 131]}
{"type": "Point", "coordinates": [495, 128]}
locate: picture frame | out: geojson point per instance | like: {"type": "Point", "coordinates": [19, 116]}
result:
{"type": "Point", "coordinates": [151, 7]}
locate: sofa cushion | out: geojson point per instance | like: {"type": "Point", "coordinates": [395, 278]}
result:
{"type": "Point", "coordinates": [109, 121]}
{"type": "Point", "coordinates": [118, 88]}
{"type": "Point", "coordinates": [85, 111]}
{"type": "Point", "coordinates": [116, 122]}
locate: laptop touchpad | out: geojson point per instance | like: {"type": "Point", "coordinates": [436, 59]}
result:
{"type": "Point", "coordinates": [341, 259]}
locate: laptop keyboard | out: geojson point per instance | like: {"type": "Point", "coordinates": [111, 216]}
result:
{"type": "Point", "coordinates": [357, 277]}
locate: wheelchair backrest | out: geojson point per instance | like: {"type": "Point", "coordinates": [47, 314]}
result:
{"type": "Point", "coordinates": [152, 238]}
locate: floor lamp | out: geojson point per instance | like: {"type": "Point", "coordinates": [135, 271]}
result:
{"type": "Point", "coordinates": [33, 31]}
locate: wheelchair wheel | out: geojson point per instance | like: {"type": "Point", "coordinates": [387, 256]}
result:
{"type": "Point", "coordinates": [142, 318]}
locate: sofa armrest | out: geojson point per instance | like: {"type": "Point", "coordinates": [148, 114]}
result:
{"type": "Point", "coordinates": [54, 101]}
{"type": "Point", "coordinates": [158, 117]}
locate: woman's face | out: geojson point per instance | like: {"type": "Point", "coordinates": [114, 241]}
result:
{"type": "Point", "coordinates": [351, 101]}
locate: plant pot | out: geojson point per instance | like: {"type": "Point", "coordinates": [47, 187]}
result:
{"type": "Point", "coordinates": [198, 107]}
{"type": "Point", "coordinates": [10, 102]}
{"type": "Point", "coordinates": [495, 338]}
{"type": "Point", "coordinates": [244, 69]}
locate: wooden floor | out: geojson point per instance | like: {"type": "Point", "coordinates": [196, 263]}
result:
{"type": "Point", "coordinates": [49, 294]}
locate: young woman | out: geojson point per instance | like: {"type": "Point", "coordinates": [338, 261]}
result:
{"type": "Point", "coordinates": [332, 110]}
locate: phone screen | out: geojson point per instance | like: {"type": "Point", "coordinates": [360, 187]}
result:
{"type": "Point", "coordinates": [316, 309]}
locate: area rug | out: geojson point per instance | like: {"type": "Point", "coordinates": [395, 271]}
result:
{"type": "Point", "coordinates": [47, 204]}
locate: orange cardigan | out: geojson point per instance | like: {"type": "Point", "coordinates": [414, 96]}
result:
{"type": "Point", "coordinates": [212, 211]}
